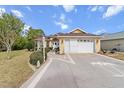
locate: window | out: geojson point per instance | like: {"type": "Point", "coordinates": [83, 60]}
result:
{"type": "Point", "coordinates": [81, 40]}
{"type": "Point", "coordinates": [84, 40]}
{"type": "Point", "coordinates": [88, 40]}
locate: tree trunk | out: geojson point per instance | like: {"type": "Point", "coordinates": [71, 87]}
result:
{"type": "Point", "coordinates": [9, 51]}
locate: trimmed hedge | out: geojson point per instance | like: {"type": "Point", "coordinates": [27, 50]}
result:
{"type": "Point", "coordinates": [48, 49]}
{"type": "Point", "coordinates": [38, 55]}
{"type": "Point", "coordinates": [35, 56]}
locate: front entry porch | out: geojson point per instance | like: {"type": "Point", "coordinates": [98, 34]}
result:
{"type": "Point", "coordinates": [58, 45]}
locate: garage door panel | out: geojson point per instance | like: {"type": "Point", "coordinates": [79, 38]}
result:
{"type": "Point", "coordinates": [74, 46]}
{"type": "Point", "coordinates": [86, 47]}
{"type": "Point", "coordinates": [66, 46]}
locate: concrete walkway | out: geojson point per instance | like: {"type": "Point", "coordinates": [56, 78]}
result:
{"type": "Point", "coordinates": [79, 71]}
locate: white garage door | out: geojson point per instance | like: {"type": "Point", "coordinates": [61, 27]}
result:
{"type": "Point", "coordinates": [78, 46]}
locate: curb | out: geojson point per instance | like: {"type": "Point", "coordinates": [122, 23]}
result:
{"type": "Point", "coordinates": [32, 67]}
{"type": "Point", "coordinates": [110, 58]}
{"type": "Point", "coordinates": [29, 81]}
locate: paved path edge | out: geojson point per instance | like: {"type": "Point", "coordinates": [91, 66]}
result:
{"type": "Point", "coordinates": [110, 57]}
{"type": "Point", "coordinates": [27, 83]}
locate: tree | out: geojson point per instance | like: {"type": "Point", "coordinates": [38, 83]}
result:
{"type": "Point", "coordinates": [33, 33]}
{"type": "Point", "coordinates": [10, 27]}
{"type": "Point", "coordinates": [20, 43]}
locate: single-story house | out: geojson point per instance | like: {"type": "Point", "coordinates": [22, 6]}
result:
{"type": "Point", "coordinates": [114, 40]}
{"type": "Point", "coordinates": [76, 41]}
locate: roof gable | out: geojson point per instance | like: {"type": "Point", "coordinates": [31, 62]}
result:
{"type": "Point", "coordinates": [78, 31]}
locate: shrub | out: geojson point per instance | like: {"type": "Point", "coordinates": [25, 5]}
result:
{"type": "Point", "coordinates": [48, 49]}
{"type": "Point", "coordinates": [114, 50]}
{"type": "Point", "coordinates": [35, 56]}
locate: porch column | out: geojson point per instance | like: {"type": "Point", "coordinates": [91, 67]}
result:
{"type": "Point", "coordinates": [50, 42]}
{"type": "Point", "coordinates": [38, 45]}
{"type": "Point", "coordinates": [61, 46]}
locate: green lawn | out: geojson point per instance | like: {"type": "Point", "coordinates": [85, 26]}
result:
{"type": "Point", "coordinates": [15, 71]}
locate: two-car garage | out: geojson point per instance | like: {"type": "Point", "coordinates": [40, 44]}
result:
{"type": "Point", "coordinates": [78, 41]}
{"type": "Point", "coordinates": [79, 46]}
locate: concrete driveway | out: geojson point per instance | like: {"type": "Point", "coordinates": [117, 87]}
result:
{"type": "Point", "coordinates": [80, 71]}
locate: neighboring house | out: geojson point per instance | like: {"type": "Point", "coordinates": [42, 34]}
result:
{"type": "Point", "coordinates": [76, 41]}
{"type": "Point", "coordinates": [115, 40]}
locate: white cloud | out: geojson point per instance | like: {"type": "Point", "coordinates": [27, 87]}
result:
{"type": "Point", "coordinates": [100, 31]}
{"type": "Point", "coordinates": [113, 10]}
{"type": "Point", "coordinates": [29, 8]}
{"type": "Point", "coordinates": [62, 22]}
{"type": "Point", "coordinates": [2, 11]}
{"type": "Point", "coordinates": [17, 13]}
{"type": "Point", "coordinates": [96, 8]}
{"type": "Point", "coordinates": [69, 8]}
{"type": "Point", "coordinates": [25, 30]}
{"type": "Point", "coordinates": [26, 27]}
{"type": "Point", "coordinates": [62, 17]}
{"type": "Point", "coordinates": [101, 8]}
{"type": "Point", "coordinates": [62, 25]}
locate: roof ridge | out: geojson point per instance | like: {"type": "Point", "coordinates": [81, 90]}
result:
{"type": "Point", "coordinates": [116, 32]}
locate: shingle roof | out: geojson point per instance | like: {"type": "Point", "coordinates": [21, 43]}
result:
{"type": "Point", "coordinates": [74, 33]}
{"type": "Point", "coordinates": [39, 38]}
{"type": "Point", "coordinates": [117, 35]}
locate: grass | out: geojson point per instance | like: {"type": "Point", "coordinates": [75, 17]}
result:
{"type": "Point", "coordinates": [117, 55]}
{"type": "Point", "coordinates": [15, 71]}
{"type": "Point", "coordinates": [3, 55]}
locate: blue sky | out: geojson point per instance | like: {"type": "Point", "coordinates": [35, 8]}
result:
{"type": "Point", "coordinates": [53, 19]}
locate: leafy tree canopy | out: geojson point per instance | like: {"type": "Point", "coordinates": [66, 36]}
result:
{"type": "Point", "coordinates": [33, 33]}
{"type": "Point", "coordinates": [10, 27]}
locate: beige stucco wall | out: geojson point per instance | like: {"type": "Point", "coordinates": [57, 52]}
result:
{"type": "Point", "coordinates": [50, 43]}
{"type": "Point", "coordinates": [97, 45]}
{"type": "Point", "coordinates": [110, 44]}
{"type": "Point", "coordinates": [61, 45]}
